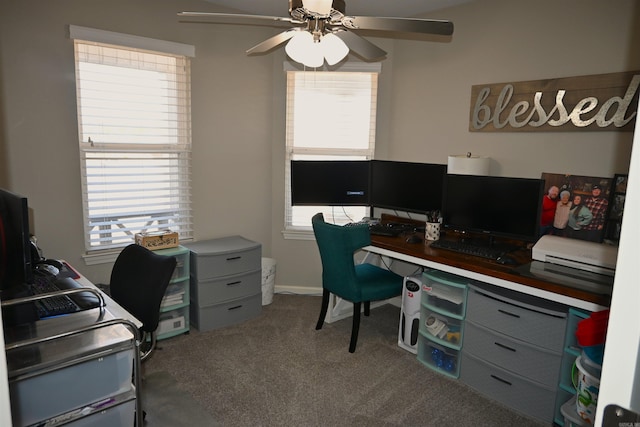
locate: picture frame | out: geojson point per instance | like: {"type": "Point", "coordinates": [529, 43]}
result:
{"type": "Point", "coordinates": [581, 209]}
{"type": "Point", "coordinates": [618, 195]}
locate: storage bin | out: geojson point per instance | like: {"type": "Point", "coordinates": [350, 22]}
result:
{"type": "Point", "coordinates": [571, 418]}
{"type": "Point", "coordinates": [521, 394]}
{"type": "Point", "coordinates": [221, 289]}
{"type": "Point", "coordinates": [224, 256]}
{"type": "Point", "coordinates": [445, 291]}
{"type": "Point", "coordinates": [544, 327]}
{"type": "Point", "coordinates": [441, 328]}
{"type": "Point", "coordinates": [438, 357]}
{"type": "Point", "coordinates": [40, 397]}
{"type": "Point", "coordinates": [225, 314]}
{"type": "Point", "coordinates": [517, 356]}
{"type": "Point", "coordinates": [172, 322]}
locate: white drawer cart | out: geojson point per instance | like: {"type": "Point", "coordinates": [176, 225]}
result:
{"type": "Point", "coordinates": [513, 348]}
{"type": "Point", "coordinates": [226, 275]}
{"type": "Point", "coordinates": [174, 309]}
{"type": "Point", "coordinates": [442, 314]}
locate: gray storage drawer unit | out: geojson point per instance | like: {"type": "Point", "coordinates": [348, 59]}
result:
{"type": "Point", "coordinates": [513, 348]}
{"type": "Point", "coordinates": [543, 323]}
{"type": "Point", "coordinates": [225, 281]}
{"type": "Point", "coordinates": [513, 354]}
{"type": "Point", "coordinates": [517, 392]}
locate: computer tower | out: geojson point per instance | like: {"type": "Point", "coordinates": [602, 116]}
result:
{"type": "Point", "coordinates": [410, 314]}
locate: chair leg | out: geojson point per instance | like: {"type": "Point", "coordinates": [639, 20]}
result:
{"type": "Point", "coordinates": [355, 327]}
{"type": "Point", "coordinates": [323, 308]}
{"type": "Point", "coordinates": [144, 354]}
{"type": "Point", "coordinates": [367, 308]}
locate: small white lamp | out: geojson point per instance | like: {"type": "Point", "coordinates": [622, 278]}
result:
{"type": "Point", "coordinates": [468, 164]}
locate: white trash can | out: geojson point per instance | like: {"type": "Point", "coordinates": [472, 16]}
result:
{"type": "Point", "coordinates": [268, 279]}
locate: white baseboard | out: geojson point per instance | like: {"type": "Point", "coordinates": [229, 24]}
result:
{"type": "Point", "coordinates": [317, 291]}
{"type": "Point", "coordinates": [298, 290]}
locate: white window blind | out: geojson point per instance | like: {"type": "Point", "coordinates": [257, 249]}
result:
{"type": "Point", "coordinates": [135, 142]}
{"type": "Point", "coordinates": [331, 115]}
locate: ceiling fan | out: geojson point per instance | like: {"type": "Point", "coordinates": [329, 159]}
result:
{"type": "Point", "coordinates": [319, 30]}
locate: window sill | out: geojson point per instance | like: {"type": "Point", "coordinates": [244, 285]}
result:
{"type": "Point", "coordinates": [100, 257]}
{"type": "Point", "coordinates": [298, 234]}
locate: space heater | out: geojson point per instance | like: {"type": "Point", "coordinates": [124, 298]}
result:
{"type": "Point", "coordinates": [410, 314]}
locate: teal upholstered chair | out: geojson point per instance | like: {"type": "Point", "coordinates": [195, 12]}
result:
{"type": "Point", "coordinates": [358, 284]}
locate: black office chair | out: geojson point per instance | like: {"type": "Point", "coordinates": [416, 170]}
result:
{"type": "Point", "coordinates": [340, 276]}
{"type": "Point", "coordinates": [139, 280]}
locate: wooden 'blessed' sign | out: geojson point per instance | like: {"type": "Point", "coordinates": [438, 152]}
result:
{"type": "Point", "coordinates": [596, 102]}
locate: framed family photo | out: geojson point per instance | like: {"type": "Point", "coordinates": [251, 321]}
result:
{"type": "Point", "coordinates": [614, 223]}
{"type": "Point", "coordinates": [576, 206]}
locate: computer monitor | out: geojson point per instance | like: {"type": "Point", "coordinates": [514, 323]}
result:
{"type": "Point", "coordinates": [494, 206]}
{"type": "Point", "coordinates": [329, 183]}
{"type": "Point", "coordinates": [407, 186]}
{"type": "Point", "coordinates": [15, 246]}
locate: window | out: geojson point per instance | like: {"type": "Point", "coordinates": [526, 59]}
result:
{"type": "Point", "coordinates": [134, 124]}
{"type": "Point", "coordinates": [331, 115]}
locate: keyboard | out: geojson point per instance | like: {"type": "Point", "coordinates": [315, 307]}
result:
{"type": "Point", "coordinates": [51, 306]}
{"type": "Point", "coordinates": [385, 230]}
{"type": "Point", "coordinates": [469, 249]}
{"type": "Point", "coordinates": [60, 304]}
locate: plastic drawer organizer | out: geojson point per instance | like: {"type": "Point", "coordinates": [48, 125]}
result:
{"type": "Point", "coordinates": [226, 277]}
{"type": "Point", "coordinates": [513, 349]}
{"type": "Point", "coordinates": [442, 314]}
{"type": "Point", "coordinates": [565, 398]}
{"type": "Point", "coordinates": [174, 309]}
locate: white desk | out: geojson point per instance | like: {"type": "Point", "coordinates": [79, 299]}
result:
{"type": "Point", "coordinates": [340, 309]}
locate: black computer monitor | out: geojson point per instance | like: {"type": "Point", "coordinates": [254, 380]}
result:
{"type": "Point", "coordinates": [329, 183]}
{"type": "Point", "coordinates": [494, 206]}
{"type": "Point", "coordinates": [407, 186]}
{"type": "Point", "coordinates": [15, 246]}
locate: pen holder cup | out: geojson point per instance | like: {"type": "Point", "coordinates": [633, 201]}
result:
{"type": "Point", "coordinates": [432, 231]}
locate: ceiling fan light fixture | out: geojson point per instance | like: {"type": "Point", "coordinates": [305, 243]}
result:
{"type": "Point", "coordinates": [321, 7]}
{"type": "Point", "coordinates": [333, 48]}
{"type": "Point", "coordinates": [302, 49]}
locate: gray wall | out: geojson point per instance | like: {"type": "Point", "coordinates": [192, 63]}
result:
{"type": "Point", "coordinates": [238, 108]}
{"type": "Point", "coordinates": [425, 100]}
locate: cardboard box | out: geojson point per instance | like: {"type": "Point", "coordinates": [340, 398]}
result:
{"type": "Point", "coordinates": [158, 240]}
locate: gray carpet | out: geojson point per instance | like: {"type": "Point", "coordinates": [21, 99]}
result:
{"type": "Point", "coordinates": [166, 405]}
{"type": "Point", "coordinates": [277, 370]}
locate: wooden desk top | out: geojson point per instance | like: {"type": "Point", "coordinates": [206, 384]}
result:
{"type": "Point", "coordinates": [423, 250]}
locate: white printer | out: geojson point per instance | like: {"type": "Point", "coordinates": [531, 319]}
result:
{"type": "Point", "coordinates": [580, 254]}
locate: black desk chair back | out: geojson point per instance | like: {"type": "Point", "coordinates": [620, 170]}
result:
{"type": "Point", "coordinates": [358, 284]}
{"type": "Point", "coordinates": [139, 280]}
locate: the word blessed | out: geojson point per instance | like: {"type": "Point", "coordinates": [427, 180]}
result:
{"type": "Point", "coordinates": [614, 111]}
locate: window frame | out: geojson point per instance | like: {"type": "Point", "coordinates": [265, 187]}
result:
{"type": "Point", "coordinates": [169, 154]}
{"type": "Point", "coordinates": [292, 152]}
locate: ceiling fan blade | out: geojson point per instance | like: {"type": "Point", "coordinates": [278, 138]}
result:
{"type": "Point", "coordinates": [232, 18]}
{"type": "Point", "coordinates": [272, 42]}
{"type": "Point", "coordinates": [399, 25]}
{"type": "Point", "coordinates": [361, 47]}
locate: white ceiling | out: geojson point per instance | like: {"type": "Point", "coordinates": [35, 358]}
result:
{"type": "Point", "coordinates": [391, 8]}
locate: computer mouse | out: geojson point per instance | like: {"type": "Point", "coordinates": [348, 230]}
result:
{"type": "Point", "coordinates": [506, 260]}
{"type": "Point", "coordinates": [414, 239]}
{"type": "Point", "coordinates": [54, 262]}
{"type": "Point", "coordinates": [47, 268]}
